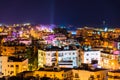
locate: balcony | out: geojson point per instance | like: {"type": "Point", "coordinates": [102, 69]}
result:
{"type": "Point", "coordinates": [54, 55]}
{"type": "Point", "coordinates": [54, 59]}
{"type": "Point", "coordinates": [65, 62]}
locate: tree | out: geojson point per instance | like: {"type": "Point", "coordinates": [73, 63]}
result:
{"type": "Point", "coordinates": [31, 58]}
{"type": "Point", "coordinates": [30, 78]}
{"type": "Point", "coordinates": [60, 30]}
{"type": "Point", "coordinates": [45, 78]}
{"type": "Point", "coordinates": [14, 78]}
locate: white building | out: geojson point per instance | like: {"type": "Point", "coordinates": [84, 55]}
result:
{"type": "Point", "coordinates": [90, 56]}
{"type": "Point", "coordinates": [63, 58]}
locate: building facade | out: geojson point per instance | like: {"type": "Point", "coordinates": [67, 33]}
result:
{"type": "Point", "coordinates": [10, 66]}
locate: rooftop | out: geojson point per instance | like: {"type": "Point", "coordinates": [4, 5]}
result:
{"type": "Point", "coordinates": [116, 71]}
{"type": "Point", "coordinates": [13, 43]}
{"type": "Point", "coordinates": [67, 69]}
{"type": "Point", "coordinates": [15, 59]}
{"type": "Point", "coordinates": [63, 48]}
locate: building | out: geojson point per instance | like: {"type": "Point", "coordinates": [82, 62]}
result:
{"type": "Point", "coordinates": [69, 73]}
{"type": "Point", "coordinates": [110, 60]}
{"type": "Point", "coordinates": [117, 44]}
{"type": "Point", "coordinates": [63, 57]}
{"type": "Point", "coordinates": [9, 48]}
{"type": "Point", "coordinates": [90, 56]}
{"type": "Point", "coordinates": [114, 75]}
{"type": "Point", "coordinates": [10, 66]}
{"type": "Point", "coordinates": [78, 74]}
{"type": "Point", "coordinates": [53, 73]}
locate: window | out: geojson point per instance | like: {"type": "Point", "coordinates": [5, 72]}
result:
{"type": "Point", "coordinates": [48, 54]}
{"type": "Point", "coordinates": [54, 54]}
{"type": "Point", "coordinates": [45, 75]}
{"type": "Point", "coordinates": [4, 49]}
{"type": "Point", "coordinates": [11, 72]}
{"type": "Point", "coordinates": [11, 66]}
{"type": "Point", "coordinates": [64, 75]}
{"type": "Point", "coordinates": [69, 58]}
{"type": "Point", "coordinates": [76, 75]}
{"type": "Point", "coordinates": [91, 77]}
{"type": "Point", "coordinates": [69, 53]}
{"type": "Point", "coordinates": [17, 65]}
{"type": "Point", "coordinates": [87, 59]}
{"type": "Point", "coordinates": [87, 54]}
{"type": "Point", "coordinates": [60, 54]}
{"type": "Point", "coordinates": [98, 76]}
{"type": "Point", "coordinates": [73, 53]}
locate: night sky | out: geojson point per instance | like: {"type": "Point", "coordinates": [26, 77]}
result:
{"type": "Point", "coordinates": [75, 12]}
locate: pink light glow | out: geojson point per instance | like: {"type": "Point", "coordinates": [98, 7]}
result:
{"type": "Point", "coordinates": [116, 52]}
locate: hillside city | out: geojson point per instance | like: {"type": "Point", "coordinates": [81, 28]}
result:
{"type": "Point", "coordinates": [53, 52]}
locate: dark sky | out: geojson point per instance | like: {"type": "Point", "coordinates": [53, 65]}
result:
{"type": "Point", "coordinates": [76, 12]}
